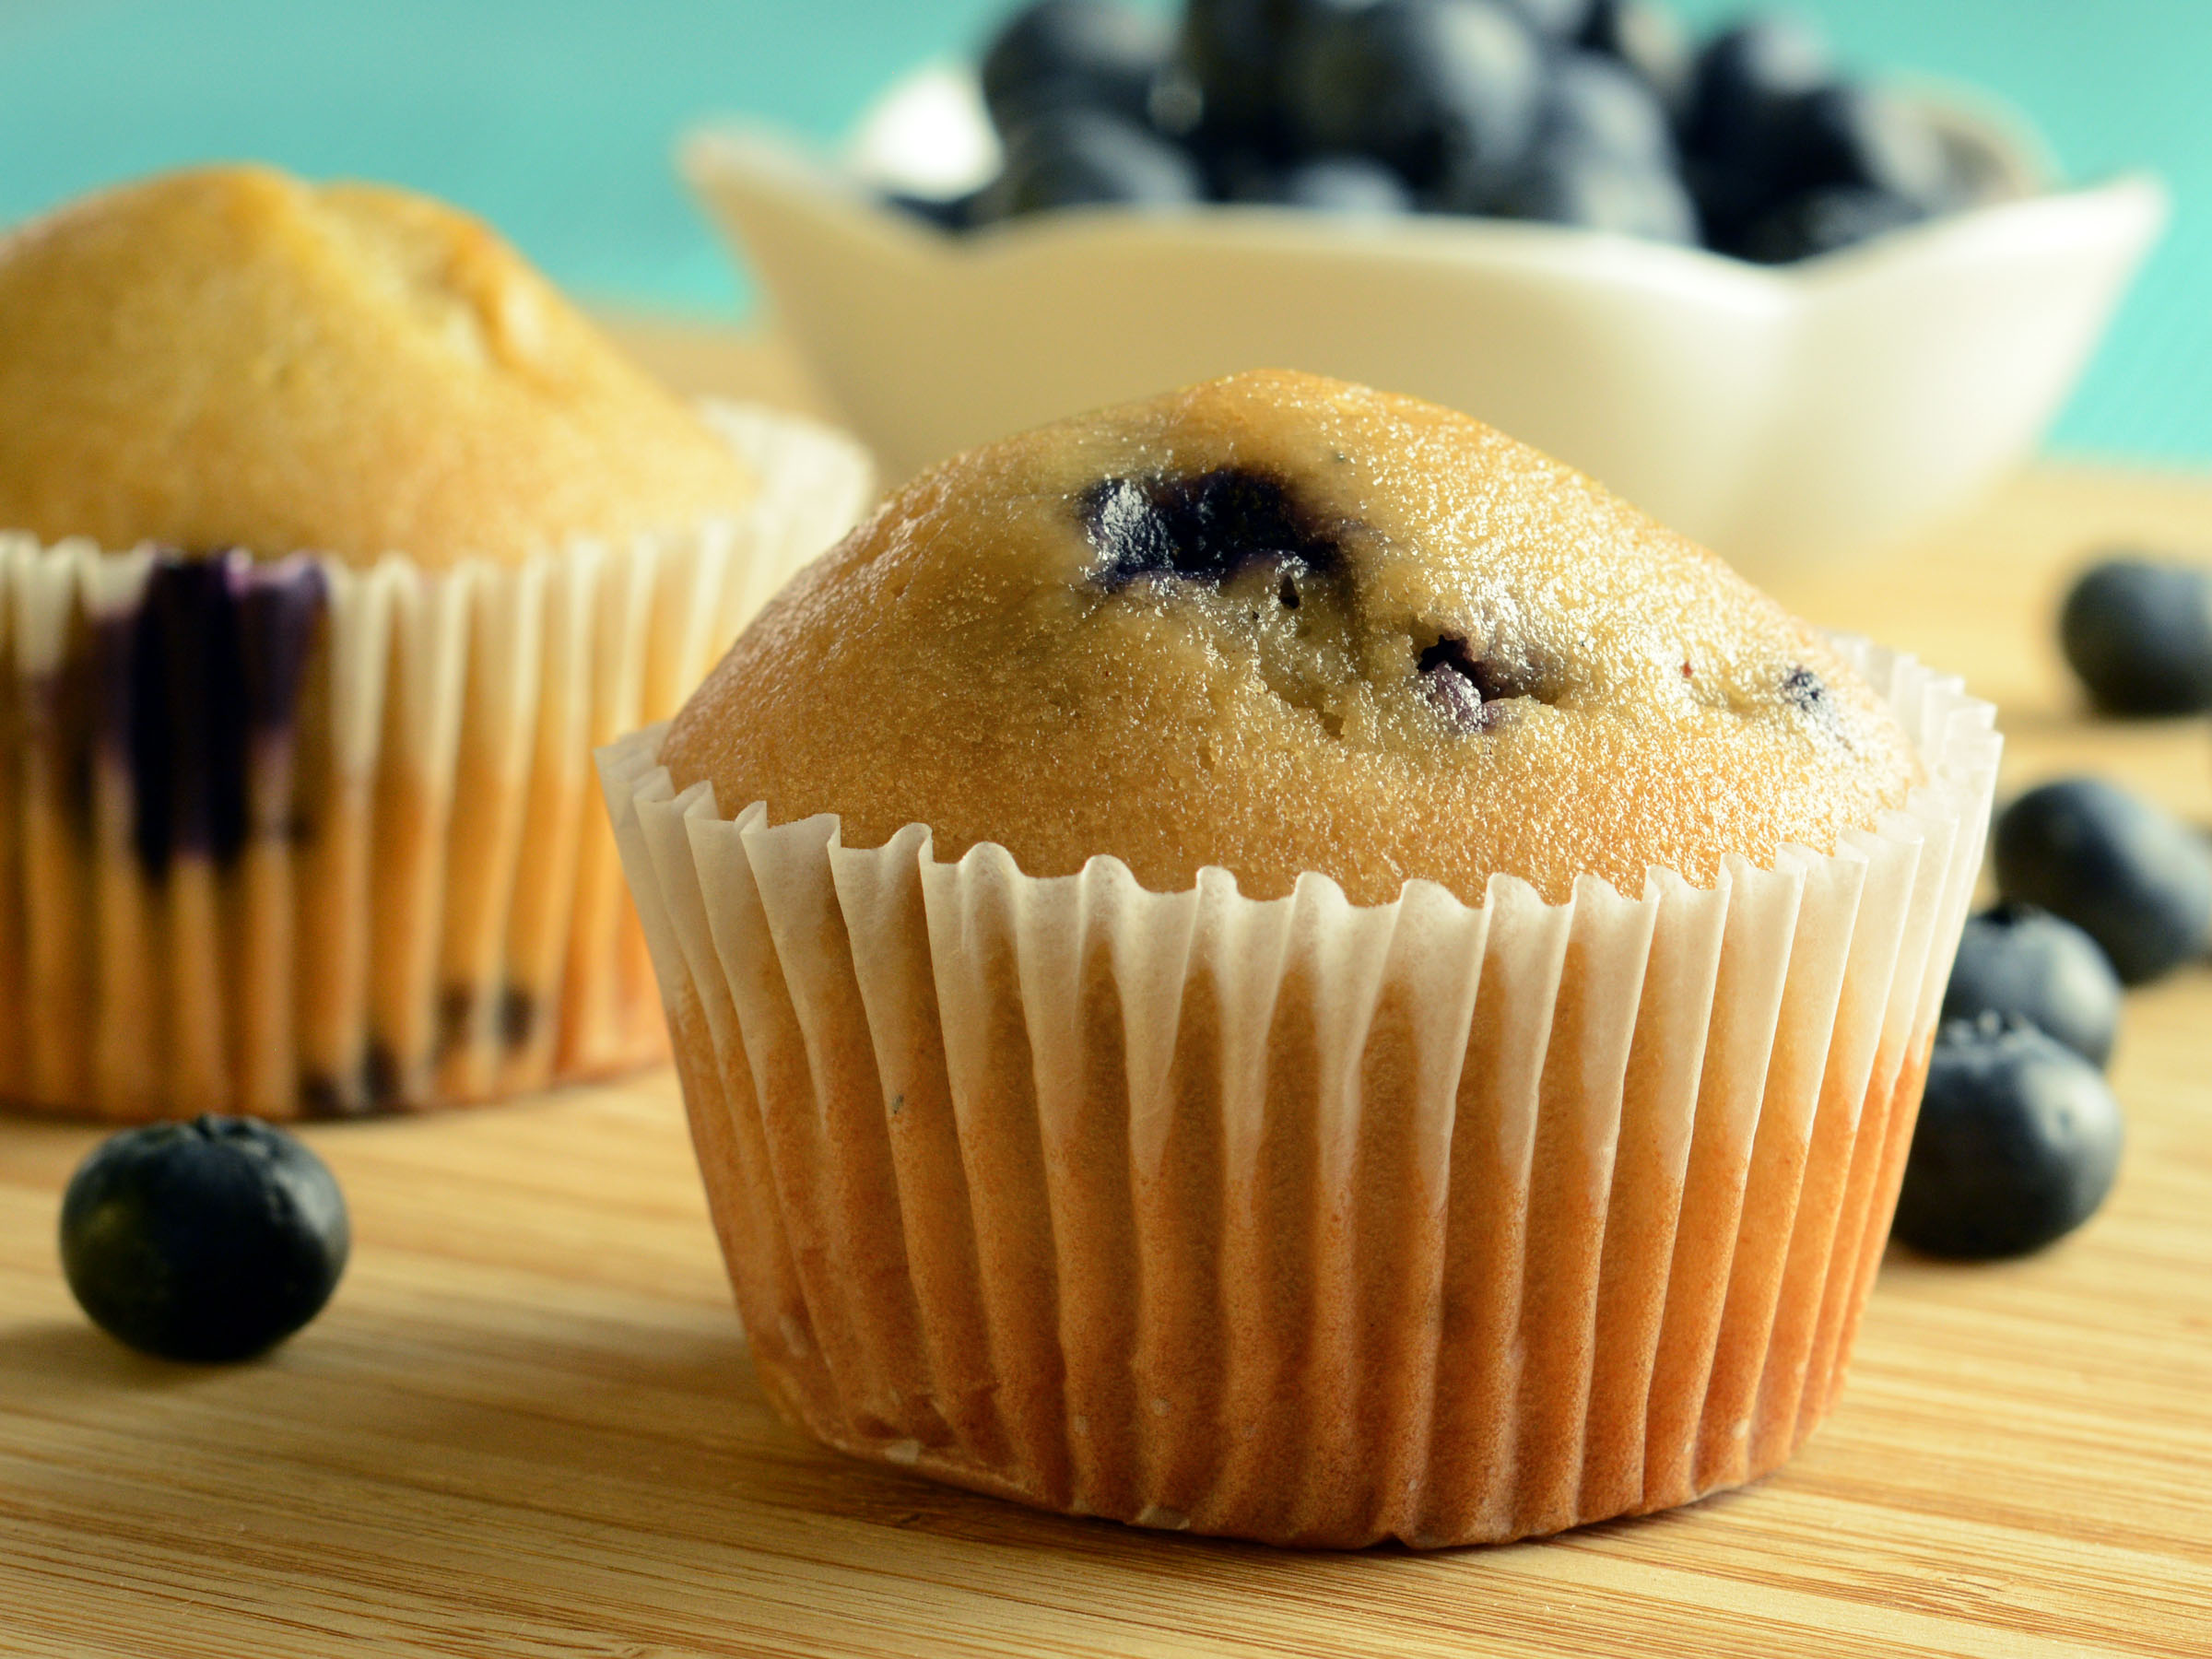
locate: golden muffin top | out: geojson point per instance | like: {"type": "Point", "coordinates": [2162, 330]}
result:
{"type": "Point", "coordinates": [1280, 624]}
{"type": "Point", "coordinates": [232, 357]}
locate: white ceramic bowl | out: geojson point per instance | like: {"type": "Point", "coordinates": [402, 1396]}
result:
{"type": "Point", "coordinates": [1778, 414]}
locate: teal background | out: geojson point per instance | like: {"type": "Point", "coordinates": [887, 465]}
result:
{"type": "Point", "coordinates": [555, 118]}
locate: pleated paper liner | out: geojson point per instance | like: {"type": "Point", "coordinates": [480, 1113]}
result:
{"type": "Point", "coordinates": [1291, 1219]}
{"type": "Point", "coordinates": [304, 838]}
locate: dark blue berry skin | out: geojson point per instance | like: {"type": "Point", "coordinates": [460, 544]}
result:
{"type": "Point", "coordinates": [1061, 55]}
{"type": "Point", "coordinates": [1342, 184]}
{"type": "Point", "coordinates": [2016, 959]}
{"type": "Point", "coordinates": [1087, 157]}
{"type": "Point", "coordinates": [1438, 89]}
{"type": "Point", "coordinates": [1649, 39]}
{"type": "Point", "coordinates": [209, 1241]}
{"type": "Point", "coordinates": [1564, 184]}
{"type": "Point", "coordinates": [947, 212]}
{"type": "Point", "coordinates": [1861, 137]}
{"type": "Point", "coordinates": [2132, 878]}
{"type": "Point", "coordinates": [1236, 53]}
{"type": "Point", "coordinates": [1744, 75]}
{"type": "Point", "coordinates": [2017, 1143]}
{"type": "Point", "coordinates": [1560, 20]}
{"type": "Point", "coordinates": [2139, 634]}
{"type": "Point", "coordinates": [1747, 91]}
{"type": "Point", "coordinates": [1823, 221]}
{"type": "Point", "coordinates": [1597, 103]}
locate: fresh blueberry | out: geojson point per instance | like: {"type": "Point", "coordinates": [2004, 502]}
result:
{"type": "Point", "coordinates": [1855, 136]}
{"type": "Point", "coordinates": [2139, 634]}
{"type": "Point", "coordinates": [1748, 87]}
{"type": "Point", "coordinates": [1744, 75]}
{"type": "Point", "coordinates": [1555, 19]}
{"type": "Point", "coordinates": [1824, 221]}
{"type": "Point", "coordinates": [1342, 184]}
{"type": "Point", "coordinates": [1438, 89]}
{"type": "Point", "coordinates": [2017, 1143]}
{"type": "Point", "coordinates": [1650, 38]}
{"type": "Point", "coordinates": [2137, 880]}
{"type": "Point", "coordinates": [1566, 184]}
{"type": "Point", "coordinates": [1241, 175]}
{"type": "Point", "coordinates": [1084, 158]}
{"type": "Point", "coordinates": [1597, 103]}
{"type": "Point", "coordinates": [947, 212]}
{"type": "Point", "coordinates": [2016, 959]}
{"type": "Point", "coordinates": [1059, 55]}
{"type": "Point", "coordinates": [1235, 52]}
{"type": "Point", "coordinates": [212, 1239]}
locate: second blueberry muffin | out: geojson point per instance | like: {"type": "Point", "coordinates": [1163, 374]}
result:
{"type": "Point", "coordinates": [333, 537]}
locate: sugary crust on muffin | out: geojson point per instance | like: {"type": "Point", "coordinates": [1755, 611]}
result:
{"type": "Point", "coordinates": [1453, 656]}
{"type": "Point", "coordinates": [232, 357]}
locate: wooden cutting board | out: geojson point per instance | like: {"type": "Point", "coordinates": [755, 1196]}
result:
{"type": "Point", "coordinates": [526, 1425]}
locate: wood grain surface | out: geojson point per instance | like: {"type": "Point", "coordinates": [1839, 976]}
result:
{"type": "Point", "coordinates": [526, 1425]}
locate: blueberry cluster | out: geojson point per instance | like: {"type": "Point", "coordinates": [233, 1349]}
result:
{"type": "Point", "coordinates": [1598, 113]}
{"type": "Point", "coordinates": [2018, 1137]}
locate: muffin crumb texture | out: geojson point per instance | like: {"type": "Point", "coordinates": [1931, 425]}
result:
{"type": "Point", "coordinates": [1281, 624]}
{"type": "Point", "coordinates": [233, 358]}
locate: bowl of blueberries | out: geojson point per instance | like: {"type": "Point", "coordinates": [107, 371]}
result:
{"type": "Point", "coordinates": [1788, 312]}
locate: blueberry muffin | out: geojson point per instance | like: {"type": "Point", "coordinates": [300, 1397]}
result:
{"type": "Point", "coordinates": [334, 538]}
{"type": "Point", "coordinates": [1273, 961]}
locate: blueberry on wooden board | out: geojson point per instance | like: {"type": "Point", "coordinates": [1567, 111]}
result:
{"type": "Point", "coordinates": [2014, 959]}
{"type": "Point", "coordinates": [2017, 1143]}
{"type": "Point", "coordinates": [2132, 877]}
{"type": "Point", "coordinates": [1086, 158]}
{"type": "Point", "coordinates": [2139, 634]}
{"type": "Point", "coordinates": [212, 1239]}
{"type": "Point", "coordinates": [1061, 55]}
{"type": "Point", "coordinates": [1438, 89]}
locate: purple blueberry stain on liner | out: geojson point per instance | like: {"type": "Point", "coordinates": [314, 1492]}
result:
{"type": "Point", "coordinates": [199, 686]}
{"type": "Point", "coordinates": [512, 1013]}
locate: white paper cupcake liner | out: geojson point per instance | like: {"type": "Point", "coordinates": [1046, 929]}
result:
{"type": "Point", "coordinates": [302, 837]}
{"type": "Point", "coordinates": [1292, 1219]}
